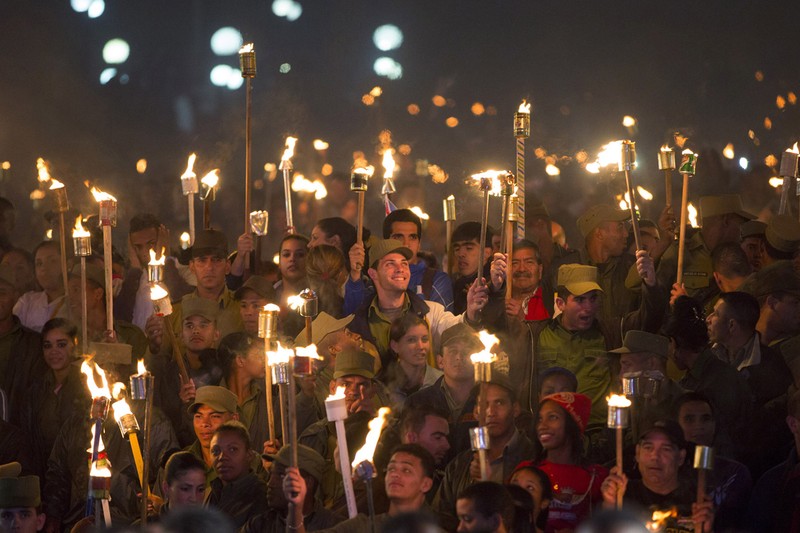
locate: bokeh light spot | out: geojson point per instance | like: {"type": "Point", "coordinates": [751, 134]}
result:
{"type": "Point", "coordinates": [387, 37]}
{"type": "Point", "coordinates": [226, 41]}
{"type": "Point", "coordinates": [116, 51]}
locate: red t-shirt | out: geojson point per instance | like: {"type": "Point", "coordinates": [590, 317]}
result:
{"type": "Point", "coordinates": [576, 490]}
{"type": "Point", "coordinates": [536, 309]}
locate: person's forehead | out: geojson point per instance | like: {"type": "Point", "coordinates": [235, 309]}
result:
{"type": "Point", "coordinates": [208, 410]}
{"type": "Point", "coordinates": [392, 256]}
{"type": "Point", "coordinates": [403, 458]}
{"type": "Point", "coordinates": [435, 422]}
{"type": "Point", "coordinates": [292, 245]}
{"type": "Point", "coordinates": [251, 296]}
{"type": "Point", "coordinates": [473, 242]}
{"type": "Point", "coordinates": [351, 378]}
{"type": "Point", "coordinates": [523, 253]}
{"type": "Point", "coordinates": [657, 437]}
{"type": "Point", "coordinates": [206, 257]}
{"type": "Point", "coordinates": [144, 235]}
{"type": "Point", "coordinates": [695, 408]}
{"type": "Point", "coordinates": [404, 227]}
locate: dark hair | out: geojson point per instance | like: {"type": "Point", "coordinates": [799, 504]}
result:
{"type": "Point", "coordinates": [293, 236]}
{"type": "Point", "coordinates": [424, 456]}
{"type": "Point", "coordinates": [559, 371]}
{"type": "Point", "coordinates": [5, 204]}
{"type": "Point", "coordinates": [45, 244]}
{"type": "Point", "coordinates": [490, 498]}
{"type": "Point", "coordinates": [182, 462]}
{"type": "Point", "coordinates": [691, 396]}
{"type": "Point", "coordinates": [234, 427]}
{"type": "Point", "coordinates": [400, 215]}
{"type": "Point", "coordinates": [144, 221]}
{"type": "Point", "coordinates": [26, 255]}
{"type": "Point", "coordinates": [544, 483]}
{"type": "Point", "coordinates": [525, 244]}
{"type": "Point", "coordinates": [413, 418]}
{"type": "Point", "coordinates": [402, 324]}
{"type": "Point", "coordinates": [233, 345]}
{"type": "Point", "coordinates": [572, 433]}
{"type": "Point", "coordinates": [730, 260]}
{"type": "Point", "coordinates": [563, 293]}
{"type": "Point", "coordinates": [471, 231]}
{"type": "Point", "coordinates": [743, 308]}
{"type": "Point", "coordinates": [687, 324]}
{"type": "Point", "coordinates": [339, 226]}
{"type": "Point", "coordinates": [523, 508]}
{"type": "Point", "coordinates": [63, 324]}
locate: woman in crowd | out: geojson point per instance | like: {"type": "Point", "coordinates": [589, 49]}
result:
{"type": "Point", "coordinates": [408, 371]}
{"type": "Point", "coordinates": [326, 273]}
{"type": "Point", "coordinates": [57, 393]}
{"type": "Point", "coordinates": [561, 422]}
{"type": "Point", "coordinates": [533, 480]}
{"type": "Point", "coordinates": [36, 307]}
{"type": "Point", "coordinates": [238, 491]}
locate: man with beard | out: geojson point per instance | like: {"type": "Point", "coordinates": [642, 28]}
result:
{"type": "Point", "coordinates": [312, 468]}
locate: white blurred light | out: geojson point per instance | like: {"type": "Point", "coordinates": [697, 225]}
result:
{"type": "Point", "coordinates": [235, 80]}
{"type": "Point", "coordinates": [552, 170]}
{"type": "Point", "coordinates": [80, 6]}
{"type": "Point", "coordinates": [285, 68]}
{"type": "Point", "coordinates": [295, 10]}
{"type": "Point", "coordinates": [728, 152]}
{"type": "Point", "coordinates": [744, 163]}
{"type": "Point", "coordinates": [388, 67]}
{"type": "Point", "coordinates": [226, 41]}
{"type": "Point", "coordinates": [281, 8]}
{"type": "Point", "coordinates": [116, 51]}
{"type": "Point", "coordinates": [220, 75]}
{"type": "Point", "coordinates": [387, 37]}
{"type": "Point", "coordinates": [96, 8]}
{"type": "Point", "coordinates": [775, 181]}
{"type": "Point", "coordinates": [107, 75]}
{"type": "Point", "coordinates": [628, 121]}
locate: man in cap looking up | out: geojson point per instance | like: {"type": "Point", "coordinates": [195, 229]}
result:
{"type": "Point", "coordinates": [209, 265]}
{"type": "Point", "coordinates": [753, 242]}
{"type": "Point", "coordinates": [20, 501]}
{"type": "Point", "coordinates": [722, 219]}
{"type": "Point", "coordinates": [312, 469]}
{"type": "Point", "coordinates": [389, 271]}
{"type": "Point", "coordinates": [781, 239]}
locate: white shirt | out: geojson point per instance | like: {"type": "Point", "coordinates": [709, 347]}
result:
{"type": "Point", "coordinates": [33, 310]}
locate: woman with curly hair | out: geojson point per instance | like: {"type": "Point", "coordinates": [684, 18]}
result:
{"type": "Point", "coordinates": [326, 272]}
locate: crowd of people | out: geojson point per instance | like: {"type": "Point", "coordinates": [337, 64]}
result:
{"type": "Point", "coordinates": [712, 360]}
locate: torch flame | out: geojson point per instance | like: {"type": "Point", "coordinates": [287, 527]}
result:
{"type": "Point", "coordinates": [659, 518]}
{"type": "Point", "coordinates": [211, 179]}
{"type": "Point", "coordinates": [279, 356]}
{"type": "Point", "coordinates": [302, 184]}
{"type": "Point", "coordinates": [644, 193]}
{"type": "Point", "coordinates": [610, 154]}
{"type": "Point", "coordinates": [666, 148]}
{"type": "Point", "coordinates": [44, 171]}
{"type": "Point", "coordinates": [489, 341]}
{"type": "Point", "coordinates": [320, 145]}
{"type": "Point", "coordinates": [101, 447]}
{"type": "Point", "coordinates": [271, 307]}
{"type": "Point", "coordinates": [338, 394]}
{"type": "Point", "coordinates": [375, 427]}
{"type": "Point", "coordinates": [369, 170]}
{"type": "Point", "coordinates": [101, 391]}
{"type": "Point", "coordinates": [55, 184]}
{"type": "Point", "coordinates": [157, 292]}
{"type": "Point", "coordinates": [692, 210]}
{"type": "Point", "coordinates": [246, 49]}
{"type": "Point", "coordinates": [793, 150]}
{"type": "Point", "coordinates": [116, 390]}
{"type": "Point", "coordinates": [617, 400]}
{"type": "Point", "coordinates": [295, 301]}
{"type": "Point", "coordinates": [388, 163]}
{"type": "Point", "coordinates": [157, 262]}
{"type": "Point", "coordinates": [100, 196]}
{"type": "Point", "coordinates": [121, 408]}
{"type": "Point", "coordinates": [420, 213]}
{"type": "Point", "coordinates": [289, 152]}
{"type": "Point", "coordinates": [775, 182]}
{"type": "Point", "coordinates": [189, 172]}
{"type": "Point", "coordinates": [309, 351]}
{"type": "Point", "coordinates": [185, 238]}
{"type": "Point", "coordinates": [140, 368]}
{"type": "Point", "coordinates": [79, 230]}
{"type": "Point", "coordinates": [524, 107]}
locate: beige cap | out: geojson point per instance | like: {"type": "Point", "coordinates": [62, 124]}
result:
{"type": "Point", "coordinates": [354, 362]}
{"type": "Point", "coordinates": [321, 327]}
{"type": "Point", "coordinates": [307, 458]}
{"type": "Point", "coordinates": [219, 399]}
{"type": "Point", "coordinates": [19, 492]}
{"type": "Point", "coordinates": [578, 279]}
{"type": "Point", "coordinates": [753, 228]}
{"type": "Point", "coordinates": [783, 233]}
{"type": "Point", "coordinates": [384, 247]}
{"type": "Point", "coordinates": [723, 204]}
{"type": "Point", "coordinates": [637, 341]}
{"type": "Point", "coordinates": [258, 285]}
{"type": "Point", "coordinates": [192, 305]}
{"type": "Point", "coordinates": [597, 214]}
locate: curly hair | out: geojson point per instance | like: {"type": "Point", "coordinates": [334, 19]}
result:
{"type": "Point", "coordinates": [324, 264]}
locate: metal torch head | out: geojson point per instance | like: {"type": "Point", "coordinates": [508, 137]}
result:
{"type": "Point", "coordinates": [388, 186]}
{"type": "Point", "coordinates": [190, 185]}
{"type": "Point", "coordinates": [155, 273]}
{"type": "Point", "coordinates": [247, 61]}
{"type": "Point", "coordinates": [479, 438]}
{"type": "Point", "coordinates": [627, 156]}
{"type": "Point", "coordinates": [483, 372]}
{"type": "Point", "coordinates": [522, 125]}
{"type": "Point", "coordinates": [618, 417]}
{"type": "Point", "coordinates": [508, 183]}
{"type": "Point", "coordinates": [281, 372]}
{"type": "Point", "coordinates": [128, 424]}
{"type": "Point", "coordinates": [310, 307]}
{"type": "Point", "coordinates": [703, 457]}
{"type": "Point", "coordinates": [666, 159]}
{"type": "Point", "coordinates": [82, 245]}
{"type": "Point", "coordinates": [140, 385]}
{"type": "Point", "coordinates": [62, 202]}
{"type": "Point", "coordinates": [359, 181]}
{"type": "Point", "coordinates": [364, 470]}
{"type": "Point", "coordinates": [259, 222]}
{"type": "Point", "coordinates": [449, 207]}
{"type": "Point", "coordinates": [513, 208]}
{"type": "Point", "coordinates": [162, 307]}
{"type": "Point", "coordinates": [99, 409]}
{"type": "Point", "coordinates": [642, 384]}
{"type": "Point", "coordinates": [108, 212]}
{"type": "Point", "coordinates": [688, 162]}
{"type": "Point", "coordinates": [268, 322]}
{"type": "Point", "coordinates": [789, 164]}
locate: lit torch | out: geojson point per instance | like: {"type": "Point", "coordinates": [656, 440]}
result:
{"type": "Point", "coordinates": [286, 167]}
{"type": "Point", "coordinates": [247, 64]}
{"type": "Point", "coordinates": [627, 159]}
{"type": "Point", "coordinates": [703, 463]}
{"type": "Point", "coordinates": [307, 305]}
{"type": "Point", "coordinates": [210, 182]}
{"type": "Point", "coordinates": [449, 207]}
{"type": "Point", "coordinates": [482, 362]}
{"type": "Point", "coordinates": [618, 418]}
{"type": "Point", "coordinates": [82, 242]}
{"type": "Point", "coordinates": [666, 162]}
{"type": "Point", "coordinates": [101, 398]}
{"type": "Point", "coordinates": [687, 168]}
{"type": "Point", "coordinates": [62, 206]}
{"type": "Point", "coordinates": [141, 387]}
{"type": "Point", "coordinates": [259, 222]}
{"type": "Point", "coordinates": [788, 171]}
{"type": "Point", "coordinates": [389, 167]}
{"type": "Point", "coordinates": [129, 427]}
{"type": "Point", "coordinates": [489, 181]}
{"type": "Point", "coordinates": [162, 307]}
{"type": "Point", "coordinates": [190, 187]}
{"type": "Point", "coordinates": [268, 330]}
{"type": "Point", "coordinates": [362, 463]}
{"type": "Point", "coordinates": [522, 130]}
{"type": "Point", "coordinates": [336, 410]}
{"type": "Point", "coordinates": [280, 363]}
{"type": "Point", "coordinates": [359, 179]}
{"type": "Point", "coordinates": [659, 519]}
{"type": "Point", "coordinates": [108, 219]}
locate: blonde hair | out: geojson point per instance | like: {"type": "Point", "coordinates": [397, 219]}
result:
{"type": "Point", "coordinates": [325, 265]}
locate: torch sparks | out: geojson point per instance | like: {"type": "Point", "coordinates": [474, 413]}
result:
{"type": "Point", "coordinates": [644, 194]}
{"type": "Point", "coordinates": [692, 210]}
{"type": "Point", "coordinates": [44, 171]}
{"type": "Point", "coordinates": [189, 172]}
{"type": "Point", "coordinates": [79, 231]}
{"type": "Point", "coordinates": [617, 400]}
{"type": "Point", "coordinates": [55, 184]}
{"type": "Point", "coordinates": [524, 107]}
{"type": "Point", "coordinates": [489, 341]}
{"type": "Point", "coordinates": [309, 351]}
{"type": "Point", "coordinates": [95, 390]}
{"type": "Point", "coordinates": [289, 152]}
{"type": "Point", "coordinates": [388, 163]}
{"type": "Point", "coordinates": [211, 180]}
{"type": "Point", "coordinates": [375, 427]}
{"type": "Point", "coordinates": [100, 196]}
{"type": "Point", "coordinates": [420, 213]}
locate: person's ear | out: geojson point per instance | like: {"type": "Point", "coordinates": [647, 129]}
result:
{"type": "Point", "coordinates": [516, 409]}
{"type": "Point", "coordinates": [793, 423]}
{"type": "Point", "coordinates": [681, 457]}
{"type": "Point", "coordinates": [394, 345]}
{"type": "Point", "coordinates": [41, 518]}
{"type": "Point", "coordinates": [439, 361]}
{"type": "Point", "coordinates": [561, 303]}
{"type": "Point", "coordinates": [426, 485]}
{"type": "Point", "coordinates": [410, 437]}
{"type": "Point", "coordinates": [372, 273]}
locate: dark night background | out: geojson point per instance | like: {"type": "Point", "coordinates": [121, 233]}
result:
{"type": "Point", "coordinates": [584, 64]}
